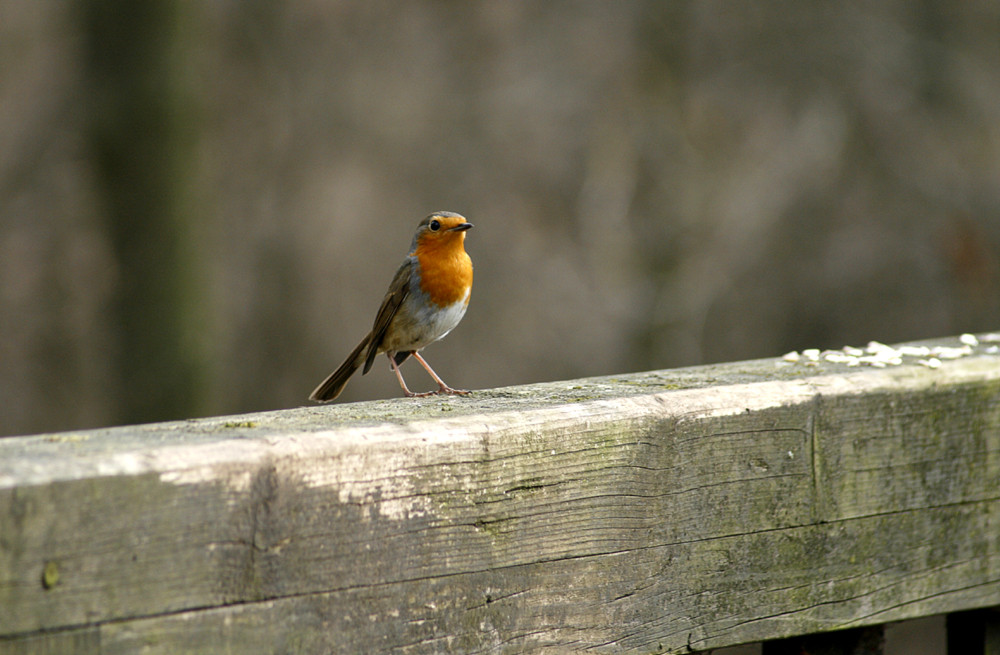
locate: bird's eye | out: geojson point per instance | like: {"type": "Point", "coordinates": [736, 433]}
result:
{"type": "Point", "coordinates": [435, 225]}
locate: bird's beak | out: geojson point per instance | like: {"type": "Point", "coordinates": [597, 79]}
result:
{"type": "Point", "coordinates": [461, 227]}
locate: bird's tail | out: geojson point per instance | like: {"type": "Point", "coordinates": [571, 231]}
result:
{"type": "Point", "coordinates": [331, 387]}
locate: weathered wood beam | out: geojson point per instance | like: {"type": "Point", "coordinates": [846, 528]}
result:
{"type": "Point", "coordinates": [655, 512]}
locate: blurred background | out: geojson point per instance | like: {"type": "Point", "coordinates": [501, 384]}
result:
{"type": "Point", "coordinates": [201, 204]}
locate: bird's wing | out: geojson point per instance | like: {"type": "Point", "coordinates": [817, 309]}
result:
{"type": "Point", "coordinates": [399, 288]}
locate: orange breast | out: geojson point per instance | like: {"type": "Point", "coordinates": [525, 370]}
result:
{"type": "Point", "coordinates": [446, 271]}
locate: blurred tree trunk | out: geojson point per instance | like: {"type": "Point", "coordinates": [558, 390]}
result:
{"type": "Point", "coordinates": [140, 137]}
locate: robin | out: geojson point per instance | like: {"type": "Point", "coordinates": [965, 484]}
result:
{"type": "Point", "coordinates": [425, 301]}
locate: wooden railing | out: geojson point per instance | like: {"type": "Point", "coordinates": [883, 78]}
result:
{"type": "Point", "coordinates": [669, 511]}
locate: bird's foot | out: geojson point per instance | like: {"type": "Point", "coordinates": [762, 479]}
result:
{"type": "Point", "coordinates": [423, 394]}
{"type": "Point", "coordinates": [453, 392]}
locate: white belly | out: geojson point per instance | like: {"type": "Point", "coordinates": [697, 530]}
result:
{"type": "Point", "coordinates": [417, 327]}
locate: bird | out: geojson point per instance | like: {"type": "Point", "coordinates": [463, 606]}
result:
{"type": "Point", "coordinates": [426, 299]}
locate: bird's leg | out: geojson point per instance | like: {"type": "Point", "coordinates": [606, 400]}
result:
{"type": "Point", "coordinates": [442, 387]}
{"type": "Point", "coordinates": [399, 376]}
